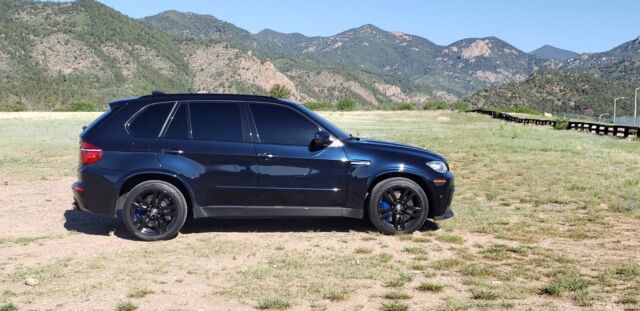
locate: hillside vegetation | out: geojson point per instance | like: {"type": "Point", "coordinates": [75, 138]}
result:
{"type": "Point", "coordinates": [557, 92]}
{"type": "Point", "coordinates": [69, 55]}
{"type": "Point", "coordinates": [52, 53]}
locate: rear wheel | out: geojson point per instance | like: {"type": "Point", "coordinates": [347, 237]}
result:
{"type": "Point", "coordinates": [398, 205]}
{"type": "Point", "coordinates": [154, 210]}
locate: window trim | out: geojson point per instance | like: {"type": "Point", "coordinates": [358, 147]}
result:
{"type": "Point", "coordinates": [135, 116]}
{"type": "Point", "coordinates": [172, 115]}
{"type": "Point", "coordinates": [255, 126]}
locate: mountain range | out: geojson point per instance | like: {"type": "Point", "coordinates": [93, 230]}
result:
{"type": "Point", "coordinates": [56, 52]}
{"type": "Point", "coordinates": [551, 52]}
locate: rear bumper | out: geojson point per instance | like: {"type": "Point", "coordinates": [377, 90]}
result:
{"type": "Point", "coordinates": [93, 193]}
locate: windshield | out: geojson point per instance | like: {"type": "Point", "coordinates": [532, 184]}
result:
{"type": "Point", "coordinates": [339, 133]}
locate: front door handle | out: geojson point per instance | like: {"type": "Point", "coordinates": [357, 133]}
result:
{"type": "Point", "coordinates": [172, 151]}
{"type": "Point", "coordinates": [267, 155]}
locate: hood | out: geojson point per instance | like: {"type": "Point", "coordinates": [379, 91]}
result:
{"type": "Point", "coordinates": [396, 147]}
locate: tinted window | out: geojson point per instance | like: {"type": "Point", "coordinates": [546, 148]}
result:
{"type": "Point", "coordinates": [216, 121]}
{"type": "Point", "coordinates": [282, 126]}
{"type": "Point", "coordinates": [179, 126]}
{"type": "Point", "coordinates": [149, 122]}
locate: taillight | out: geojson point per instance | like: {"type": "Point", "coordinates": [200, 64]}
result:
{"type": "Point", "coordinates": [89, 153]}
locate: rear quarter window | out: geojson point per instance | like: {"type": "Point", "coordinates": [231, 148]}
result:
{"type": "Point", "coordinates": [149, 121]}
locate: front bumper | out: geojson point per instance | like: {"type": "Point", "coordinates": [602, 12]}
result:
{"type": "Point", "coordinates": [448, 214]}
{"type": "Point", "coordinates": [443, 197]}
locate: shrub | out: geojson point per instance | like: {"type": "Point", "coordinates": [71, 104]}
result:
{"type": "Point", "coordinates": [79, 106]}
{"type": "Point", "coordinates": [346, 104]}
{"type": "Point", "coordinates": [8, 307]}
{"type": "Point", "coordinates": [319, 106]}
{"type": "Point", "coordinates": [279, 91]}
{"type": "Point", "coordinates": [404, 106]}
{"type": "Point", "coordinates": [461, 106]}
{"type": "Point", "coordinates": [562, 123]}
{"type": "Point", "coordinates": [523, 109]}
{"type": "Point", "coordinates": [126, 306]}
{"type": "Point", "coordinates": [13, 106]}
{"type": "Point", "coordinates": [436, 105]}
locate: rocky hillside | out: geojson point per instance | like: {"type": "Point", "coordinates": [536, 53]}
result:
{"type": "Point", "coordinates": [411, 62]}
{"type": "Point", "coordinates": [587, 84]}
{"type": "Point", "coordinates": [619, 63]}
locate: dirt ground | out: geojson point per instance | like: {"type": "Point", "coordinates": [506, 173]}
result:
{"type": "Point", "coordinates": [46, 238]}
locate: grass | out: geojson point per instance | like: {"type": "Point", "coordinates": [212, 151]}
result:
{"type": "Point", "coordinates": [450, 238]}
{"type": "Point", "coordinates": [394, 306]}
{"type": "Point", "coordinates": [518, 187]}
{"type": "Point", "coordinates": [8, 307]}
{"type": "Point", "coordinates": [430, 287]}
{"type": "Point", "coordinates": [564, 280]}
{"type": "Point", "coordinates": [273, 304]}
{"type": "Point", "coordinates": [399, 281]}
{"type": "Point", "coordinates": [484, 294]}
{"type": "Point", "coordinates": [363, 250]}
{"type": "Point", "coordinates": [396, 295]}
{"type": "Point", "coordinates": [415, 250]}
{"type": "Point", "coordinates": [126, 306]}
{"type": "Point", "coordinates": [139, 293]}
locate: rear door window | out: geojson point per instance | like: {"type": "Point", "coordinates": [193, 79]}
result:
{"type": "Point", "coordinates": [150, 121]}
{"type": "Point", "coordinates": [216, 121]}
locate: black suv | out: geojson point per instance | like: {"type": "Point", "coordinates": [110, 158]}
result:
{"type": "Point", "coordinates": [160, 157]}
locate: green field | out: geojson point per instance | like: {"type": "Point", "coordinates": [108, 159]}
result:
{"type": "Point", "coordinates": [545, 219]}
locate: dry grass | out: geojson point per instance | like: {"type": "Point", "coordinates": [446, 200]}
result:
{"type": "Point", "coordinates": [544, 220]}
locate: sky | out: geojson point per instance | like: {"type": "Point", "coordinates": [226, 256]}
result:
{"type": "Point", "coordinates": [580, 26]}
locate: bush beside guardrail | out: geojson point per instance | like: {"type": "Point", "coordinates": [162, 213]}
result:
{"type": "Point", "coordinates": [621, 131]}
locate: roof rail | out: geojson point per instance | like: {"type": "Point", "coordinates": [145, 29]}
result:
{"type": "Point", "coordinates": [157, 93]}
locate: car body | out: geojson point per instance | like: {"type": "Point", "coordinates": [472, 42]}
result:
{"type": "Point", "coordinates": [237, 156]}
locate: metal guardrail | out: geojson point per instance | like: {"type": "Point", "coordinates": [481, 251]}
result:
{"type": "Point", "coordinates": [621, 131]}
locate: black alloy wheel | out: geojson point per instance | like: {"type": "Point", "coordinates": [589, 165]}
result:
{"type": "Point", "coordinates": [398, 205]}
{"type": "Point", "coordinates": [154, 210]}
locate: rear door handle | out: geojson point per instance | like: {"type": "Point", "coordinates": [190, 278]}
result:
{"type": "Point", "coordinates": [172, 151]}
{"type": "Point", "coordinates": [267, 155]}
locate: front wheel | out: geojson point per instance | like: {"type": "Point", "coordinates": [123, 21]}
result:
{"type": "Point", "coordinates": [398, 205]}
{"type": "Point", "coordinates": [154, 210]}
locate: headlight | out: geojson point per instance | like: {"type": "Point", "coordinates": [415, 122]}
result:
{"type": "Point", "coordinates": [438, 166]}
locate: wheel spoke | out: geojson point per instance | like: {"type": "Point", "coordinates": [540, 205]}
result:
{"type": "Point", "coordinates": [403, 194]}
{"type": "Point", "coordinates": [391, 198]}
{"type": "Point", "coordinates": [408, 197]}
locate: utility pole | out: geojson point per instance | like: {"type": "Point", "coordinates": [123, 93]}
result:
{"type": "Point", "coordinates": [635, 107]}
{"type": "Point", "coordinates": [614, 109]}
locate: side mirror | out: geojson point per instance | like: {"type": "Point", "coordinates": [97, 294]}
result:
{"type": "Point", "coordinates": [321, 139]}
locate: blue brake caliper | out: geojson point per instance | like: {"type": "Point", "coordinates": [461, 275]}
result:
{"type": "Point", "coordinates": [138, 213]}
{"type": "Point", "coordinates": [384, 205]}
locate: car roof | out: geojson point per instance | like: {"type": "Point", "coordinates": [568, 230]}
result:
{"type": "Point", "coordinates": [157, 96]}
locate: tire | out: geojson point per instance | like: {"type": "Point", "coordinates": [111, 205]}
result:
{"type": "Point", "coordinates": [154, 210]}
{"type": "Point", "coordinates": [411, 215]}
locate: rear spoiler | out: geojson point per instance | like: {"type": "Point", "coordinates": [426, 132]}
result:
{"type": "Point", "coordinates": [117, 103]}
